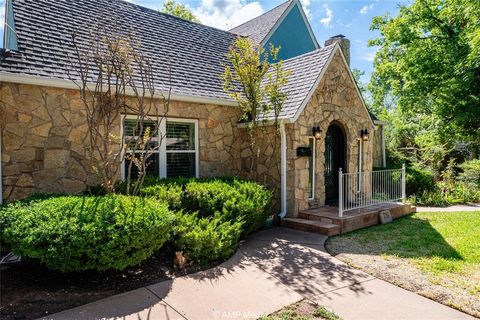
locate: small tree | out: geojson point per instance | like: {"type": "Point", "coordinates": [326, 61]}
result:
{"type": "Point", "coordinates": [257, 87]}
{"type": "Point", "coordinates": [179, 10]}
{"type": "Point", "coordinates": [115, 78]}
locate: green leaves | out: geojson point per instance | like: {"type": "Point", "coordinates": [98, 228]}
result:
{"type": "Point", "coordinates": [74, 233]}
{"type": "Point", "coordinates": [428, 62]}
{"type": "Point", "coordinates": [179, 10]}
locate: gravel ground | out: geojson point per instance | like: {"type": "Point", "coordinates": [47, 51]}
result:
{"type": "Point", "coordinates": [460, 292]}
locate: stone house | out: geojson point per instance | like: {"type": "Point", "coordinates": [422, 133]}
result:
{"type": "Point", "coordinates": [324, 125]}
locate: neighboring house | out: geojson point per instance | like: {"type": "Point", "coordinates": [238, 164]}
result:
{"type": "Point", "coordinates": [44, 127]}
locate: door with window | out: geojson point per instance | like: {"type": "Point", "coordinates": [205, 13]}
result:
{"type": "Point", "coordinates": [334, 160]}
{"type": "Point", "coordinates": [175, 144]}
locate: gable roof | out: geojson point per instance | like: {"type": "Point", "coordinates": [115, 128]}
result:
{"type": "Point", "coordinates": [307, 71]}
{"type": "Point", "coordinates": [194, 52]}
{"type": "Point", "coordinates": [258, 28]}
{"type": "Point", "coordinates": [304, 71]}
{"type": "Point", "coordinates": [261, 28]}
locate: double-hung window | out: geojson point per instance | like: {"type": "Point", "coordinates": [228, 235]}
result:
{"type": "Point", "coordinates": [177, 154]}
{"type": "Point", "coordinates": [131, 132]}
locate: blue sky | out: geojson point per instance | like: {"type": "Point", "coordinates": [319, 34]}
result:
{"type": "Point", "coordinates": [351, 18]}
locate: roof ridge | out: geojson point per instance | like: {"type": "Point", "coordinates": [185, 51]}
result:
{"type": "Point", "coordinates": [257, 17]}
{"type": "Point", "coordinates": [175, 17]}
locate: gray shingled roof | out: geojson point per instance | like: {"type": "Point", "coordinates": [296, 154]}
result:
{"type": "Point", "coordinates": [304, 71]}
{"type": "Point", "coordinates": [258, 28]}
{"type": "Point", "coordinates": [196, 53]}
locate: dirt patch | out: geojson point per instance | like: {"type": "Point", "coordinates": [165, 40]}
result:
{"type": "Point", "coordinates": [302, 310]}
{"type": "Point", "coordinates": [29, 290]}
{"type": "Point", "coordinates": [460, 291]}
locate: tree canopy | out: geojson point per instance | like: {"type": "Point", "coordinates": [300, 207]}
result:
{"type": "Point", "coordinates": [428, 65]}
{"type": "Point", "coordinates": [179, 10]}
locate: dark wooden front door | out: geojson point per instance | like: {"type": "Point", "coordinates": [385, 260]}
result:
{"type": "Point", "coordinates": [334, 160]}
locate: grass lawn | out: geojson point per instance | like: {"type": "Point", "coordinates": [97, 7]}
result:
{"type": "Point", "coordinates": [303, 310]}
{"type": "Point", "coordinates": [434, 254]}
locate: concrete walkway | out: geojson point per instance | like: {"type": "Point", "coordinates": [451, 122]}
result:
{"type": "Point", "coordinates": [272, 269]}
{"type": "Point", "coordinates": [457, 208]}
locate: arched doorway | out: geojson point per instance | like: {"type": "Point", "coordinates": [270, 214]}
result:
{"type": "Point", "coordinates": [334, 160]}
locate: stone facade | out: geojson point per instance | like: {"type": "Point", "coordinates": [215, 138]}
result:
{"type": "Point", "coordinates": [377, 146]}
{"type": "Point", "coordinates": [44, 130]}
{"type": "Point", "coordinates": [335, 99]}
{"type": "Point", "coordinates": [44, 133]}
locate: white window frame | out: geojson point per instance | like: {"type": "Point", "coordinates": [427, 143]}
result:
{"type": "Point", "coordinates": [314, 159]}
{"type": "Point", "coordinates": [162, 163]}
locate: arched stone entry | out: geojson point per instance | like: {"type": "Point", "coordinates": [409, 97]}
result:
{"type": "Point", "coordinates": [335, 150]}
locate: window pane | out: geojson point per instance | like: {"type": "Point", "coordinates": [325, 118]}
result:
{"type": "Point", "coordinates": [152, 167]}
{"type": "Point", "coordinates": [180, 164]}
{"type": "Point", "coordinates": [132, 130]}
{"type": "Point", "coordinates": [180, 136]}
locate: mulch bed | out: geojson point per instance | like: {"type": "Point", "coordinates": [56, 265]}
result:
{"type": "Point", "coordinates": [29, 290]}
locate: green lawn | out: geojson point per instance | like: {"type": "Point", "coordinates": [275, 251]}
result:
{"type": "Point", "coordinates": [441, 248]}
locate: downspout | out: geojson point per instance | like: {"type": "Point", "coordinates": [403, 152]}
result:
{"type": "Point", "coordinates": [283, 171]}
{"type": "Point", "coordinates": [384, 156]}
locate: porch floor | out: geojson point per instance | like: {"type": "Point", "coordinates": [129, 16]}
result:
{"type": "Point", "coordinates": [325, 220]}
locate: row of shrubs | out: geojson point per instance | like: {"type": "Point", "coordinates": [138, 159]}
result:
{"type": "Point", "coordinates": [203, 218]}
{"type": "Point", "coordinates": [457, 184]}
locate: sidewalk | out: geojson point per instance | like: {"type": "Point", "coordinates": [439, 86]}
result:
{"type": "Point", "coordinates": [272, 269]}
{"type": "Point", "coordinates": [457, 208]}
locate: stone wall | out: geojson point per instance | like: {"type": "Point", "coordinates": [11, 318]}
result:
{"type": "Point", "coordinates": [43, 140]}
{"type": "Point", "coordinates": [335, 99]}
{"type": "Point", "coordinates": [377, 146]}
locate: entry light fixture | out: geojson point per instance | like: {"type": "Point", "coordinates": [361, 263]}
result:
{"type": "Point", "coordinates": [364, 134]}
{"type": "Point", "coordinates": [317, 132]}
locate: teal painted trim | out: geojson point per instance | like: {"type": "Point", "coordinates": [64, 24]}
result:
{"type": "Point", "coordinates": [292, 35]}
{"type": "Point", "coordinates": [10, 40]}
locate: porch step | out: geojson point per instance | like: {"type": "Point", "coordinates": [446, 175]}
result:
{"type": "Point", "coordinates": [315, 216]}
{"type": "Point", "coordinates": [317, 226]}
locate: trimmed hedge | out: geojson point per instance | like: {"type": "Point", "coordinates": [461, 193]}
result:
{"type": "Point", "coordinates": [74, 233]}
{"type": "Point", "coordinates": [214, 213]}
{"type": "Point", "coordinates": [205, 218]}
{"type": "Point", "coordinates": [227, 198]}
{"type": "Point", "coordinates": [206, 239]}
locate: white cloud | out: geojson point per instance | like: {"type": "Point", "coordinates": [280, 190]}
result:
{"type": "Point", "coordinates": [365, 9]}
{"type": "Point", "coordinates": [327, 19]}
{"type": "Point", "coordinates": [2, 14]}
{"type": "Point", "coordinates": [306, 8]}
{"type": "Point", "coordinates": [226, 14]}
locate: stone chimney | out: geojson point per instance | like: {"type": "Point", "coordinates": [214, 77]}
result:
{"type": "Point", "coordinates": [344, 45]}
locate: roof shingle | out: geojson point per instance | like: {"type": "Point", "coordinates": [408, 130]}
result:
{"type": "Point", "coordinates": [194, 52]}
{"type": "Point", "coordinates": [258, 28]}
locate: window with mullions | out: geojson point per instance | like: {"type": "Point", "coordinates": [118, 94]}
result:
{"type": "Point", "coordinates": [180, 149]}
{"type": "Point", "coordinates": [131, 132]}
{"type": "Point", "coordinates": [176, 156]}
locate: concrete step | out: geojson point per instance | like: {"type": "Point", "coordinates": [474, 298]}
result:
{"type": "Point", "coordinates": [315, 216]}
{"type": "Point", "coordinates": [317, 226]}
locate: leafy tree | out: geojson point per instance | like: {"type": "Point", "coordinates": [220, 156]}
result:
{"type": "Point", "coordinates": [257, 87]}
{"type": "Point", "coordinates": [363, 87]}
{"type": "Point", "coordinates": [428, 66]}
{"type": "Point", "coordinates": [179, 10]}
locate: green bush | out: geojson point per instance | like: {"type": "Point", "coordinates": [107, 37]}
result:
{"type": "Point", "coordinates": [206, 239]}
{"type": "Point", "coordinates": [470, 172]}
{"type": "Point", "coordinates": [418, 180]}
{"type": "Point", "coordinates": [229, 199]}
{"type": "Point", "coordinates": [214, 213]}
{"type": "Point", "coordinates": [74, 233]}
{"type": "Point", "coordinates": [447, 194]}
